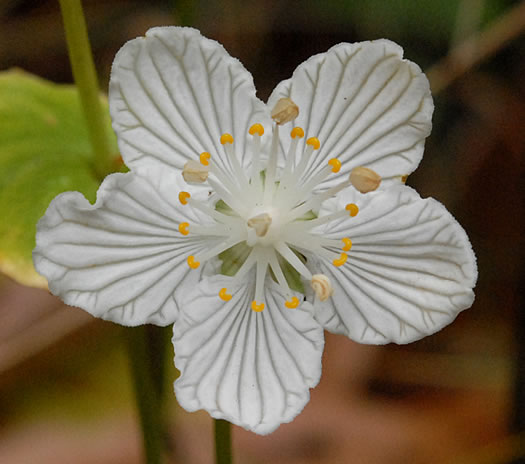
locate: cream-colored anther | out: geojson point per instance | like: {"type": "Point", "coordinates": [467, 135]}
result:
{"type": "Point", "coordinates": [285, 110]}
{"type": "Point", "coordinates": [194, 172]}
{"type": "Point", "coordinates": [261, 223]}
{"type": "Point", "coordinates": [322, 286]}
{"type": "Point", "coordinates": [364, 179]}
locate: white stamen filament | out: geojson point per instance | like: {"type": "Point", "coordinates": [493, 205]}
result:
{"type": "Point", "coordinates": [268, 217]}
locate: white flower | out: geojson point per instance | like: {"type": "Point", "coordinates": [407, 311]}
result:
{"type": "Point", "coordinates": [277, 202]}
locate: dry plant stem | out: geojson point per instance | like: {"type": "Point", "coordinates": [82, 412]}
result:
{"type": "Point", "coordinates": [223, 442]}
{"type": "Point", "coordinates": [147, 393]}
{"type": "Point", "coordinates": [85, 77]}
{"type": "Point", "coordinates": [466, 55]}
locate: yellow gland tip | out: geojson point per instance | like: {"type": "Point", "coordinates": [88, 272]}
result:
{"type": "Point", "coordinates": [347, 243]}
{"type": "Point", "coordinates": [204, 158]}
{"type": "Point", "coordinates": [297, 132]}
{"type": "Point", "coordinates": [183, 197]}
{"type": "Point", "coordinates": [352, 208]}
{"type": "Point", "coordinates": [224, 295]}
{"type": "Point", "coordinates": [226, 138]}
{"type": "Point", "coordinates": [183, 228]}
{"type": "Point", "coordinates": [257, 307]}
{"type": "Point", "coordinates": [314, 142]}
{"type": "Point", "coordinates": [256, 129]}
{"type": "Point", "coordinates": [293, 303]}
{"type": "Point", "coordinates": [336, 164]}
{"type": "Point", "coordinates": [192, 263]}
{"type": "Point", "coordinates": [341, 260]}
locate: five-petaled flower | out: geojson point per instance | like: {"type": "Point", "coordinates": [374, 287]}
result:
{"type": "Point", "coordinates": [242, 223]}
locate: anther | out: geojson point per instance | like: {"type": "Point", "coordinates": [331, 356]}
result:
{"type": "Point", "coordinates": [314, 142]}
{"type": "Point", "coordinates": [336, 164]}
{"type": "Point", "coordinates": [322, 286]}
{"type": "Point", "coordinates": [183, 228]}
{"type": "Point", "coordinates": [256, 129]}
{"type": "Point", "coordinates": [293, 303]}
{"type": "Point", "coordinates": [224, 295]}
{"type": "Point", "coordinates": [261, 223]}
{"type": "Point", "coordinates": [352, 208]}
{"type": "Point", "coordinates": [257, 307]}
{"type": "Point", "coordinates": [347, 243]}
{"type": "Point", "coordinates": [204, 158]}
{"type": "Point", "coordinates": [226, 138]}
{"type": "Point", "coordinates": [195, 172]}
{"type": "Point", "coordinates": [404, 178]}
{"type": "Point", "coordinates": [192, 263]}
{"type": "Point", "coordinates": [285, 110]}
{"type": "Point", "coordinates": [365, 180]}
{"type": "Point", "coordinates": [341, 260]}
{"type": "Point", "coordinates": [297, 132]}
{"type": "Point", "coordinates": [183, 197]}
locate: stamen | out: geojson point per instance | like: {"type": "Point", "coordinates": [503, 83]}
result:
{"type": "Point", "coordinates": [333, 166]}
{"type": "Point", "coordinates": [292, 258]}
{"type": "Point", "coordinates": [226, 138]}
{"type": "Point", "coordinates": [223, 218]}
{"type": "Point", "coordinates": [192, 263]}
{"type": "Point", "coordinates": [257, 307]}
{"type": "Point", "coordinates": [204, 158]}
{"type": "Point", "coordinates": [341, 260]}
{"type": "Point", "coordinates": [314, 142]}
{"type": "Point", "coordinates": [297, 132]}
{"type": "Point", "coordinates": [256, 129]}
{"type": "Point", "coordinates": [219, 248]}
{"type": "Point", "coordinates": [261, 223]}
{"type": "Point", "coordinates": [316, 200]}
{"type": "Point", "coordinates": [311, 144]}
{"type": "Point", "coordinates": [227, 197]}
{"type": "Point", "coordinates": [347, 243]}
{"type": "Point", "coordinates": [293, 303]}
{"type": "Point", "coordinates": [183, 228]}
{"type": "Point", "coordinates": [322, 286]}
{"type": "Point", "coordinates": [183, 197]}
{"type": "Point", "coordinates": [352, 208]}
{"type": "Point", "coordinates": [336, 164]}
{"type": "Point", "coordinates": [364, 179]}
{"type": "Point", "coordinates": [269, 183]}
{"type": "Point", "coordinates": [260, 275]}
{"type": "Point", "coordinates": [195, 172]}
{"type": "Point", "coordinates": [278, 272]}
{"type": "Point", "coordinates": [224, 295]}
{"type": "Point", "coordinates": [227, 141]}
{"type": "Point", "coordinates": [285, 110]}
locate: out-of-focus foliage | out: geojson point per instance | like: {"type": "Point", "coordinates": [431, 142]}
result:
{"type": "Point", "coordinates": [44, 150]}
{"type": "Point", "coordinates": [433, 20]}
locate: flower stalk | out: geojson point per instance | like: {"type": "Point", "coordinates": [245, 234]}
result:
{"type": "Point", "coordinates": [86, 81]}
{"type": "Point", "coordinates": [146, 391]}
{"type": "Point", "coordinates": [223, 442]}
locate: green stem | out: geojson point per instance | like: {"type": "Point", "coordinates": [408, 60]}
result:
{"type": "Point", "coordinates": [148, 400]}
{"type": "Point", "coordinates": [223, 442]}
{"type": "Point", "coordinates": [85, 77]}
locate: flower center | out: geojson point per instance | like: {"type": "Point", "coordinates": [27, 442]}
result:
{"type": "Point", "coordinates": [264, 217]}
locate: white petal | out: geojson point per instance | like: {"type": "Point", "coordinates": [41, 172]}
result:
{"type": "Point", "coordinates": [410, 270]}
{"type": "Point", "coordinates": [365, 104]}
{"type": "Point", "coordinates": [252, 369]}
{"type": "Point", "coordinates": [173, 93]}
{"type": "Point", "coordinates": [122, 258]}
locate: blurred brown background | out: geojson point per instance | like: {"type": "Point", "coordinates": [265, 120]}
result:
{"type": "Point", "coordinates": [65, 390]}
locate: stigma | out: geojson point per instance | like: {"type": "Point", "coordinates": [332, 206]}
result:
{"type": "Point", "coordinates": [267, 210]}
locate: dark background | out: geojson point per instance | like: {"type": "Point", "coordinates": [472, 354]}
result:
{"type": "Point", "coordinates": [65, 392]}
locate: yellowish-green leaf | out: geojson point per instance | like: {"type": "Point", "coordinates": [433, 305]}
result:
{"type": "Point", "coordinates": [44, 150]}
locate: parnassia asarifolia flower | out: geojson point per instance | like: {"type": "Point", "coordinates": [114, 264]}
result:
{"type": "Point", "coordinates": [254, 226]}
